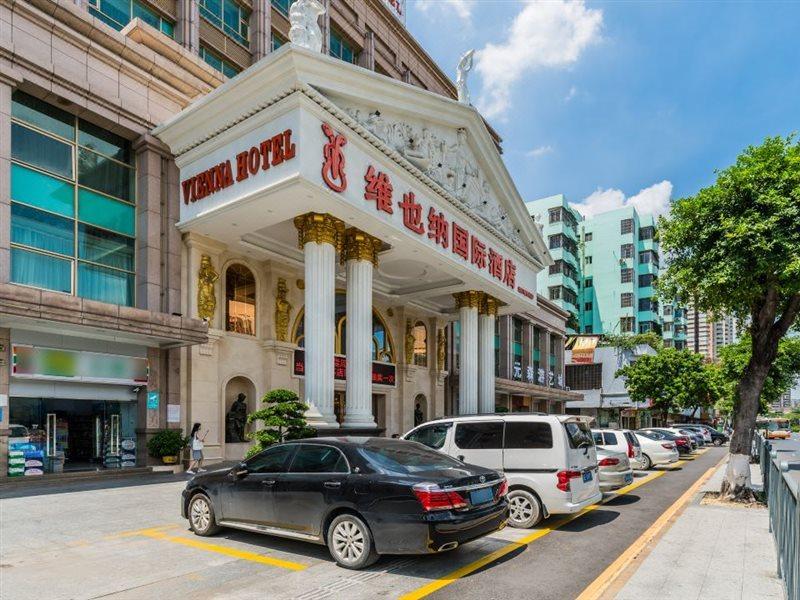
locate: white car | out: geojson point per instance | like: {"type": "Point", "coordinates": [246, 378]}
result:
{"type": "Point", "coordinates": [620, 440]}
{"type": "Point", "coordinates": [549, 460]}
{"type": "Point", "coordinates": [697, 429]}
{"type": "Point", "coordinates": [656, 452]}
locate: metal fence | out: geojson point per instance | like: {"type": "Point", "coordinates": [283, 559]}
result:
{"type": "Point", "coordinates": [780, 465]}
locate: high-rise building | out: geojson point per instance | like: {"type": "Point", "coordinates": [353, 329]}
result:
{"type": "Point", "coordinates": [706, 334]}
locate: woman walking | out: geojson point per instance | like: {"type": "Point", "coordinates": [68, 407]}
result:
{"type": "Point", "coordinates": [196, 440]}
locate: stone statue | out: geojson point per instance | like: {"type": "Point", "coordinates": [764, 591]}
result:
{"type": "Point", "coordinates": [206, 297]}
{"type": "Point", "coordinates": [419, 417]}
{"type": "Point", "coordinates": [463, 69]}
{"type": "Point", "coordinates": [409, 343]}
{"type": "Point", "coordinates": [282, 311]}
{"type": "Point", "coordinates": [441, 344]}
{"type": "Point", "coordinates": [235, 420]}
{"type": "Point", "coordinates": [304, 29]}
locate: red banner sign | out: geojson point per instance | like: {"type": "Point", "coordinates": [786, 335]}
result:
{"type": "Point", "coordinates": [382, 373]}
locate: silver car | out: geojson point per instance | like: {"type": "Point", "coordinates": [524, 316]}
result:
{"type": "Point", "coordinates": [614, 470]}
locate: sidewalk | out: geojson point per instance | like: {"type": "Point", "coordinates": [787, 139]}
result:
{"type": "Point", "coordinates": [710, 552]}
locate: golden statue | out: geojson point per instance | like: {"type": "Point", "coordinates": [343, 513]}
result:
{"type": "Point", "coordinates": [206, 298]}
{"type": "Point", "coordinates": [282, 311]}
{"type": "Point", "coordinates": [409, 343]}
{"type": "Point", "coordinates": [441, 344]}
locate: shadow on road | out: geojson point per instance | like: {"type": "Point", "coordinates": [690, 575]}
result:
{"type": "Point", "coordinates": [596, 518]}
{"type": "Point", "coordinates": [623, 500]}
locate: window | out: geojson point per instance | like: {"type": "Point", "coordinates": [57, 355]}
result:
{"type": "Point", "coordinates": [240, 300]}
{"type": "Point", "coordinates": [311, 458]}
{"type": "Point", "coordinates": [556, 267]}
{"type": "Point", "coordinates": [228, 16]}
{"type": "Point", "coordinates": [626, 299]}
{"type": "Point", "coordinates": [282, 6]}
{"type": "Point", "coordinates": [588, 260]}
{"type": "Point", "coordinates": [587, 329]}
{"type": "Point", "coordinates": [668, 310]}
{"type": "Point", "coordinates": [645, 326]}
{"type": "Point", "coordinates": [668, 326]}
{"type": "Point", "coordinates": [433, 436]}
{"type": "Point", "coordinates": [559, 240]}
{"type": "Point", "coordinates": [647, 279]}
{"type": "Point", "coordinates": [72, 204]}
{"type": "Point", "coordinates": [420, 333]}
{"type": "Point", "coordinates": [626, 251]}
{"type": "Point", "coordinates": [587, 306]}
{"type": "Point", "coordinates": [522, 435]}
{"type": "Point", "coordinates": [588, 282]}
{"type": "Point", "coordinates": [517, 329]}
{"type": "Point", "coordinates": [627, 324]}
{"type": "Point", "coordinates": [647, 233]}
{"type": "Point", "coordinates": [404, 458]}
{"type": "Point", "coordinates": [226, 67]}
{"type": "Point", "coordinates": [555, 292]}
{"type": "Point", "coordinates": [341, 49]}
{"type": "Point", "coordinates": [645, 257]}
{"type": "Point", "coordinates": [645, 304]}
{"type": "Point", "coordinates": [680, 344]}
{"type": "Point", "coordinates": [626, 226]}
{"type": "Point", "coordinates": [667, 343]}
{"type": "Point", "coordinates": [555, 241]}
{"type": "Point", "coordinates": [609, 438]}
{"type": "Point", "coordinates": [579, 434]}
{"type": "Point", "coordinates": [277, 41]}
{"type": "Point", "coordinates": [597, 436]}
{"type": "Point", "coordinates": [587, 237]}
{"type": "Point", "coordinates": [487, 435]}
{"type": "Point", "coordinates": [570, 296]}
{"type": "Point", "coordinates": [584, 377]}
{"type": "Point", "coordinates": [554, 215]}
{"type": "Point", "coordinates": [118, 13]}
{"type": "Point", "coordinates": [626, 276]}
{"type": "Point", "coordinates": [272, 460]}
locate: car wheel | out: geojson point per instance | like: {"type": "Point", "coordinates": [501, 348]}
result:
{"type": "Point", "coordinates": [524, 509]}
{"type": "Point", "coordinates": [647, 464]}
{"type": "Point", "coordinates": [718, 441]}
{"type": "Point", "coordinates": [201, 516]}
{"type": "Point", "coordinates": [350, 542]}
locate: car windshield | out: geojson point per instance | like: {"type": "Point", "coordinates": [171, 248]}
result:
{"type": "Point", "coordinates": [579, 434]}
{"type": "Point", "coordinates": [406, 458]}
{"type": "Point", "coordinates": [777, 425]}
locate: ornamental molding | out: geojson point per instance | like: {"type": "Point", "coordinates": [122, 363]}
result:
{"type": "Point", "coordinates": [469, 299]}
{"type": "Point", "coordinates": [322, 228]}
{"type": "Point", "coordinates": [360, 246]}
{"type": "Point", "coordinates": [490, 305]}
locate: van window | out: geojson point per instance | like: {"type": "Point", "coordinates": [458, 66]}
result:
{"type": "Point", "coordinates": [598, 438]}
{"type": "Point", "coordinates": [578, 434]}
{"type": "Point", "coordinates": [528, 435]}
{"type": "Point", "coordinates": [433, 436]}
{"type": "Point", "coordinates": [610, 438]}
{"type": "Point", "coordinates": [480, 436]}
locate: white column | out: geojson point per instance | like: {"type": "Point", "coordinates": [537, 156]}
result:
{"type": "Point", "coordinates": [486, 324]}
{"type": "Point", "coordinates": [319, 238]}
{"type": "Point", "coordinates": [468, 303]}
{"type": "Point", "coordinates": [360, 254]}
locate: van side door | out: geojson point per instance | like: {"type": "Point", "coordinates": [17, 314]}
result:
{"type": "Point", "coordinates": [479, 443]}
{"type": "Point", "coordinates": [528, 446]}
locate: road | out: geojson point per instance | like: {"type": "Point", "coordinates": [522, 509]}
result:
{"type": "Point", "coordinates": [128, 541]}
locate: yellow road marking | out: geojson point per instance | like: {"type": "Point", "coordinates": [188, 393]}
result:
{"type": "Point", "coordinates": [596, 589]}
{"type": "Point", "coordinates": [232, 552]}
{"type": "Point", "coordinates": [521, 543]}
{"type": "Point", "coordinates": [135, 532]}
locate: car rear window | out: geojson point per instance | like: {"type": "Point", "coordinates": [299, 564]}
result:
{"type": "Point", "coordinates": [631, 438]}
{"type": "Point", "coordinates": [487, 435]}
{"type": "Point", "coordinates": [578, 434]}
{"type": "Point", "coordinates": [610, 438]}
{"type": "Point", "coordinates": [528, 435]}
{"type": "Point", "coordinates": [311, 458]}
{"type": "Point", "coordinates": [406, 458]}
{"type": "Point", "coordinates": [432, 436]}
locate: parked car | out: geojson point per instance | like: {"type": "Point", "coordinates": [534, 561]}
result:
{"type": "Point", "coordinates": [362, 497]}
{"type": "Point", "coordinates": [549, 460]}
{"type": "Point", "coordinates": [717, 437]}
{"type": "Point", "coordinates": [615, 469]}
{"type": "Point", "coordinates": [620, 440]}
{"type": "Point", "coordinates": [694, 438]}
{"type": "Point", "coordinates": [682, 442]}
{"type": "Point", "coordinates": [656, 451]}
{"type": "Point", "coordinates": [707, 439]}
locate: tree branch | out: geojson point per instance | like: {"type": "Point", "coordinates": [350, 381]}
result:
{"type": "Point", "coordinates": [788, 317]}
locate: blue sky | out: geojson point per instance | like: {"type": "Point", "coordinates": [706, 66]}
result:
{"type": "Point", "coordinates": [623, 102]}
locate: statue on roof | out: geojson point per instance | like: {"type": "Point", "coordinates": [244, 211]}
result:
{"type": "Point", "coordinates": [462, 70]}
{"type": "Point", "coordinates": [304, 29]}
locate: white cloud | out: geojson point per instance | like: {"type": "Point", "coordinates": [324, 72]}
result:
{"type": "Point", "coordinates": [540, 151]}
{"type": "Point", "coordinates": [460, 8]}
{"type": "Point", "coordinates": [548, 34]}
{"type": "Point", "coordinates": [651, 200]}
{"type": "Point", "coordinates": [573, 91]}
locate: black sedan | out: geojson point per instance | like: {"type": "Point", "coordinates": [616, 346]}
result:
{"type": "Point", "coordinates": [362, 497]}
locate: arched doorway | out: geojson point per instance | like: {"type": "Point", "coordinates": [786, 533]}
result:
{"type": "Point", "coordinates": [237, 409]}
{"type": "Point", "coordinates": [420, 409]}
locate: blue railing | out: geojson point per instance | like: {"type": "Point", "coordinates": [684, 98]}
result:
{"type": "Point", "coordinates": [780, 465]}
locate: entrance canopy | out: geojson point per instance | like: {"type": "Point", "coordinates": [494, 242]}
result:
{"type": "Point", "coordinates": [301, 132]}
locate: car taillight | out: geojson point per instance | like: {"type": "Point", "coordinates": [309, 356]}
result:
{"type": "Point", "coordinates": [502, 489]}
{"type": "Point", "coordinates": [564, 477]}
{"type": "Point", "coordinates": [630, 450]}
{"type": "Point", "coordinates": [433, 498]}
{"type": "Point", "coordinates": [681, 442]}
{"type": "Point", "coordinates": [607, 462]}
{"type": "Point", "coordinates": [668, 446]}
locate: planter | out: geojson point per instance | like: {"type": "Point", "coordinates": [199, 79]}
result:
{"type": "Point", "coordinates": [169, 460]}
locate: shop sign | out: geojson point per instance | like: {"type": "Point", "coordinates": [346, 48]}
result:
{"type": "Point", "coordinates": [34, 362]}
{"type": "Point", "coordinates": [583, 350]}
{"type": "Point", "coordinates": [517, 371]}
{"type": "Point", "coordinates": [173, 413]}
{"type": "Point", "coordinates": [382, 373]}
{"type": "Point", "coordinates": [152, 400]}
{"type": "Point", "coordinates": [529, 374]}
{"type": "Point", "coordinates": [540, 379]}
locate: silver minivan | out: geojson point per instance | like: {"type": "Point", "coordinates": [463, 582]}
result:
{"type": "Point", "coordinates": [549, 460]}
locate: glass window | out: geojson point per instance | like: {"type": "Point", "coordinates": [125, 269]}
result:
{"type": "Point", "coordinates": [587, 306]}
{"type": "Point", "coordinates": [42, 115]}
{"type": "Point", "coordinates": [627, 324]}
{"type": "Point", "coordinates": [105, 212]}
{"type": "Point", "coordinates": [311, 458]}
{"type": "Point", "coordinates": [105, 247]}
{"type": "Point", "coordinates": [578, 434]}
{"type": "Point", "coordinates": [555, 215]}
{"type": "Point", "coordinates": [626, 275]}
{"type": "Point", "coordinates": [626, 226]}
{"type": "Point", "coordinates": [598, 438]}
{"type": "Point", "coordinates": [433, 436]}
{"type": "Point", "coordinates": [41, 151]}
{"type": "Point", "coordinates": [588, 282]}
{"type": "Point", "coordinates": [626, 299]}
{"type": "Point", "coordinates": [340, 48]}
{"type": "Point", "coordinates": [626, 251]}
{"type": "Point", "coordinates": [229, 16]}
{"type": "Point", "coordinates": [105, 285]}
{"type": "Point", "coordinates": [240, 296]}
{"type": "Point", "coordinates": [41, 270]}
{"type": "Point", "coordinates": [399, 457]}
{"type": "Point", "coordinates": [555, 241]}
{"type": "Point", "coordinates": [282, 6]}
{"type": "Point", "coordinates": [647, 233]}
{"type": "Point", "coordinates": [118, 13]}
{"type": "Point", "coordinates": [271, 460]}
{"type": "Point", "coordinates": [37, 229]}
{"type": "Point", "coordinates": [104, 142]}
{"type": "Point", "coordinates": [555, 292]}
{"type": "Point", "coordinates": [647, 279]}
{"type": "Point", "coordinates": [609, 439]}
{"type": "Point", "coordinates": [486, 435]}
{"type": "Point", "coordinates": [588, 260]}
{"type": "Point", "coordinates": [420, 333]}
{"type": "Point", "coordinates": [587, 237]}
{"type": "Point", "coordinates": [226, 67]}
{"type": "Point", "coordinates": [528, 435]}
{"type": "Point", "coordinates": [105, 175]}
{"type": "Point", "coordinates": [42, 191]}
{"type": "Point", "coordinates": [277, 41]}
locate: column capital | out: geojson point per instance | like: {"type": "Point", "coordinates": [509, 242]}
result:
{"type": "Point", "coordinates": [321, 228]}
{"type": "Point", "coordinates": [469, 299]}
{"type": "Point", "coordinates": [360, 246]}
{"type": "Point", "coordinates": [489, 305]}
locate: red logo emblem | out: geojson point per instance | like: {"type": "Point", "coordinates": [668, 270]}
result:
{"type": "Point", "coordinates": [333, 160]}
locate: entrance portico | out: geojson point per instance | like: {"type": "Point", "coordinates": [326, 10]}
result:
{"type": "Point", "coordinates": [397, 196]}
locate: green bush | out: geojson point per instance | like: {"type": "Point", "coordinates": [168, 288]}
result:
{"type": "Point", "coordinates": [284, 417]}
{"type": "Point", "coordinates": [168, 442]}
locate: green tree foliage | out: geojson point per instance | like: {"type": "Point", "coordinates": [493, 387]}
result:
{"type": "Point", "coordinates": [630, 341]}
{"type": "Point", "coordinates": [283, 418]}
{"type": "Point", "coordinates": [673, 380]}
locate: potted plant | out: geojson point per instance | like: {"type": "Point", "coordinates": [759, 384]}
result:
{"type": "Point", "coordinates": [167, 445]}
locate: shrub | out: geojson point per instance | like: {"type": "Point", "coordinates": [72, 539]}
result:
{"type": "Point", "coordinates": [168, 442]}
{"type": "Point", "coordinates": [283, 417]}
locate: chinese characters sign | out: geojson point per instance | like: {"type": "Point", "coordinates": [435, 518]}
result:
{"type": "Point", "coordinates": [382, 373]}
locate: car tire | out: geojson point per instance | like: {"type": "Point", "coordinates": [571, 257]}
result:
{"type": "Point", "coordinates": [350, 542]}
{"type": "Point", "coordinates": [524, 509]}
{"type": "Point", "coordinates": [202, 520]}
{"type": "Point", "coordinates": [718, 441]}
{"type": "Point", "coordinates": [647, 463]}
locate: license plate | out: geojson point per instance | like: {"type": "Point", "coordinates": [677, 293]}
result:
{"type": "Point", "coordinates": [629, 478]}
{"type": "Point", "coordinates": [481, 496]}
{"type": "Point", "coordinates": [587, 476]}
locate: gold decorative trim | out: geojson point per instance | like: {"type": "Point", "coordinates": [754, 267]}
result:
{"type": "Point", "coordinates": [301, 284]}
{"type": "Point", "coordinates": [207, 276]}
{"type": "Point", "coordinates": [321, 228]}
{"type": "Point", "coordinates": [469, 299]}
{"type": "Point", "coordinates": [283, 311]}
{"type": "Point", "coordinates": [441, 346]}
{"type": "Point", "coordinates": [490, 305]}
{"type": "Point", "coordinates": [360, 246]}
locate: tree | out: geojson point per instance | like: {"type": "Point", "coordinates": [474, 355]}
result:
{"type": "Point", "coordinates": [283, 418]}
{"type": "Point", "coordinates": [629, 341]}
{"type": "Point", "coordinates": [672, 379]}
{"type": "Point", "coordinates": [734, 248]}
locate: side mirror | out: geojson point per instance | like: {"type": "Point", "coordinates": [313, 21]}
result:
{"type": "Point", "coordinates": [239, 471]}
